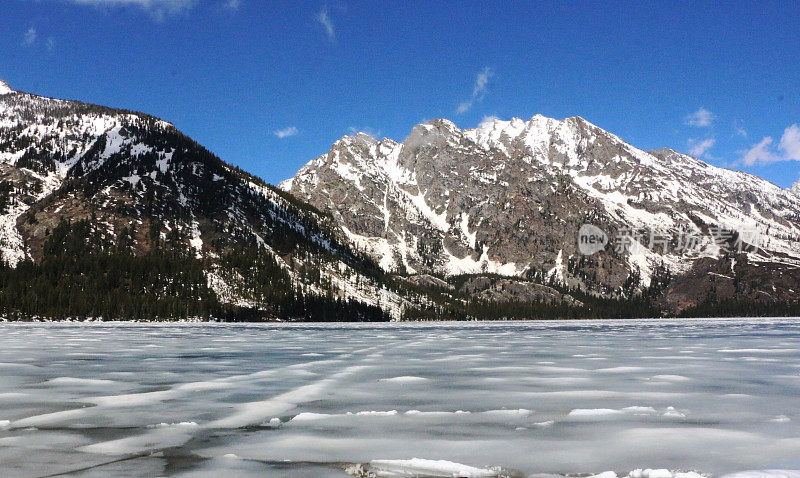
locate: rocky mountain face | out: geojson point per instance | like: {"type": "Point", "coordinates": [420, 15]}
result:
{"type": "Point", "coordinates": [510, 198]}
{"type": "Point", "coordinates": [136, 179]}
{"type": "Point", "coordinates": [113, 213]}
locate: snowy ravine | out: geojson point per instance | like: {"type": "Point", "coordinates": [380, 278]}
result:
{"type": "Point", "coordinates": [509, 198]}
{"type": "Point", "coordinates": [638, 399]}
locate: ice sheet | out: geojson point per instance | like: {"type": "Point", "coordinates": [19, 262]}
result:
{"type": "Point", "coordinates": [646, 399]}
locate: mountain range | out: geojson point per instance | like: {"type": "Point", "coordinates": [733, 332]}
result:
{"type": "Point", "coordinates": [116, 214]}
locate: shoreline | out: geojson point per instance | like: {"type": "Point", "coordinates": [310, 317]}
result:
{"type": "Point", "coordinates": [201, 322]}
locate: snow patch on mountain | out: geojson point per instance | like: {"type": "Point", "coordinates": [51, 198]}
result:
{"type": "Point", "coordinates": [4, 88]}
{"type": "Point", "coordinates": [453, 202]}
{"type": "Point", "coordinates": [72, 160]}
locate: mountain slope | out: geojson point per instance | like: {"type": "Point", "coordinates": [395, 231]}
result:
{"type": "Point", "coordinates": [509, 197]}
{"type": "Point", "coordinates": [116, 214]}
{"type": "Point", "coordinates": [130, 175]}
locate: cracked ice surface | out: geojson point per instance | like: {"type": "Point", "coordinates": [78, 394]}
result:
{"type": "Point", "coordinates": [646, 399]}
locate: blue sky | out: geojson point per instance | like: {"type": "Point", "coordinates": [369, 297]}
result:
{"type": "Point", "coordinates": [269, 85]}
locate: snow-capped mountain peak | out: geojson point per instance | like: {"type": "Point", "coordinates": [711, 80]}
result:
{"type": "Point", "coordinates": [131, 174]}
{"type": "Point", "coordinates": [795, 187]}
{"type": "Point", "coordinates": [4, 88]}
{"type": "Point", "coordinates": [508, 197]}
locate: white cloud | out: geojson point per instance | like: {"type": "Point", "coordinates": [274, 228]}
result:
{"type": "Point", "coordinates": [702, 118]}
{"type": "Point", "coordinates": [488, 121]}
{"type": "Point", "coordinates": [699, 148]}
{"type": "Point", "coordinates": [159, 9]}
{"type": "Point", "coordinates": [286, 132]}
{"type": "Point", "coordinates": [478, 91]}
{"type": "Point", "coordinates": [232, 5]}
{"type": "Point", "coordinates": [29, 38]}
{"type": "Point", "coordinates": [788, 148]}
{"type": "Point", "coordinates": [481, 81]}
{"type": "Point", "coordinates": [790, 143]}
{"type": "Point", "coordinates": [760, 153]}
{"type": "Point", "coordinates": [796, 187]}
{"type": "Point", "coordinates": [172, 4]}
{"type": "Point", "coordinates": [463, 107]}
{"type": "Point", "coordinates": [738, 126]}
{"type": "Point", "coordinates": [325, 20]}
{"type": "Point", "coordinates": [365, 130]}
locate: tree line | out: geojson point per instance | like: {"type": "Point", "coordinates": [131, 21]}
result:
{"type": "Point", "coordinates": [81, 274]}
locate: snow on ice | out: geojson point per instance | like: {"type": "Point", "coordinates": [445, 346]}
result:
{"type": "Point", "coordinates": [637, 399]}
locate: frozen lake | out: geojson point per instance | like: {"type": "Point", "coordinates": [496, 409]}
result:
{"type": "Point", "coordinates": [502, 399]}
